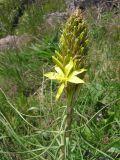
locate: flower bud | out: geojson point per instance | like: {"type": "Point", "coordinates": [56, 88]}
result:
{"type": "Point", "coordinates": [74, 39]}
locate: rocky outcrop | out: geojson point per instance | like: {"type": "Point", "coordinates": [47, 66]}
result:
{"type": "Point", "coordinates": [104, 5]}
{"type": "Point", "coordinates": [56, 18]}
{"type": "Point", "coordinates": [14, 41]}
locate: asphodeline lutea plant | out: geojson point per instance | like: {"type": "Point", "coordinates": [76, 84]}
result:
{"type": "Point", "coordinates": [72, 56]}
{"type": "Point", "coordinates": [70, 64]}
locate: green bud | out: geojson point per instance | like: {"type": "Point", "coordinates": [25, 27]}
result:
{"type": "Point", "coordinates": [74, 40]}
{"type": "Point", "coordinates": [81, 50]}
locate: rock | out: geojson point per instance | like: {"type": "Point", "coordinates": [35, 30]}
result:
{"type": "Point", "coordinates": [14, 41]}
{"type": "Point", "coordinates": [7, 42]}
{"type": "Point", "coordinates": [56, 18]}
{"type": "Point", "coordinates": [71, 7]}
{"type": "Point", "coordinates": [84, 4]}
{"type": "Point", "coordinates": [23, 40]}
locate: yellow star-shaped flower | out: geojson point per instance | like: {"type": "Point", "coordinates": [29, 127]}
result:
{"type": "Point", "coordinates": [65, 76]}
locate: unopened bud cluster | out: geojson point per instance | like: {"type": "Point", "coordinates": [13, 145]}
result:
{"type": "Point", "coordinates": [74, 40]}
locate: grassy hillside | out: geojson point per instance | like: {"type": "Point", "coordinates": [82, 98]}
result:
{"type": "Point", "coordinates": [31, 120]}
{"type": "Point", "coordinates": [30, 16]}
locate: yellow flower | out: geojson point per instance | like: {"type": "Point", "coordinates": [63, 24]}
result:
{"type": "Point", "coordinates": [64, 75]}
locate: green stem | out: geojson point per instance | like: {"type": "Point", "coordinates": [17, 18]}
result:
{"type": "Point", "coordinates": [68, 123]}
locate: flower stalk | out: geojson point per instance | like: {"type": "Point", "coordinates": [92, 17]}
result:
{"type": "Point", "coordinates": [70, 64]}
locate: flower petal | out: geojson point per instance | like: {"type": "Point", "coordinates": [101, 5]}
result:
{"type": "Point", "coordinates": [60, 57]}
{"type": "Point", "coordinates": [59, 70]}
{"type": "Point", "coordinates": [68, 67]}
{"type": "Point", "coordinates": [75, 79]}
{"type": "Point", "coordinates": [60, 90]}
{"type": "Point", "coordinates": [51, 75]}
{"type": "Point", "coordinates": [75, 73]}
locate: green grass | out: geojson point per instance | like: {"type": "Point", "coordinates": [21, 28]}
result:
{"type": "Point", "coordinates": [32, 18]}
{"type": "Point", "coordinates": [31, 121]}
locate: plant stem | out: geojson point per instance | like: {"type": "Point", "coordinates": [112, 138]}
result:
{"type": "Point", "coordinates": [68, 123]}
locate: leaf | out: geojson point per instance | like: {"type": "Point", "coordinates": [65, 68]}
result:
{"type": "Point", "coordinates": [33, 108]}
{"type": "Point", "coordinates": [60, 90]}
{"type": "Point", "coordinates": [75, 79]}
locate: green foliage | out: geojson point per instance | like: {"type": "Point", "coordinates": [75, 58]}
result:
{"type": "Point", "coordinates": [30, 21]}
{"type": "Point", "coordinates": [7, 11]}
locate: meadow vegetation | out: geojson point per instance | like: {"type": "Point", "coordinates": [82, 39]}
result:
{"type": "Point", "coordinates": [31, 121]}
